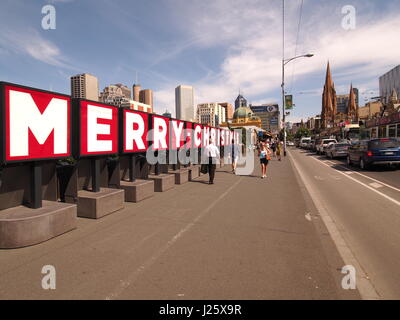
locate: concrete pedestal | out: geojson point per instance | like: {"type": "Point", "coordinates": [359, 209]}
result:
{"type": "Point", "coordinates": [181, 175]}
{"type": "Point", "coordinates": [22, 226]}
{"type": "Point", "coordinates": [95, 205]}
{"type": "Point", "coordinates": [162, 182]}
{"type": "Point", "coordinates": [194, 172]}
{"type": "Point", "coordinates": [138, 190]}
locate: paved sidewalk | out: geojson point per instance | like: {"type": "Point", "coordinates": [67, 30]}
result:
{"type": "Point", "coordinates": [241, 238]}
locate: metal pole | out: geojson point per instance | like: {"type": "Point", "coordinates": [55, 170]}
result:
{"type": "Point", "coordinates": [132, 168]}
{"type": "Point", "coordinates": [95, 168]}
{"type": "Point", "coordinates": [283, 78]}
{"type": "Point", "coordinates": [36, 185]}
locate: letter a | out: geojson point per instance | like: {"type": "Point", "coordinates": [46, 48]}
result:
{"type": "Point", "coordinates": [49, 280]}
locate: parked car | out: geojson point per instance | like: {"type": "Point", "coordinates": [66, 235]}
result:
{"type": "Point", "coordinates": [314, 145]}
{"type": "Point", "coordinates": [374, 151]}
{"type": "Point", "coordinates": [323, 144]}
{"type": "Point", "coordinates": [337, 150]}
{"type": "Point", "coordinates": [310, 144]}
{"type": "Point", "coordinates": [290, 143]}
{"type": "Point", "coordinates": [304, 142]}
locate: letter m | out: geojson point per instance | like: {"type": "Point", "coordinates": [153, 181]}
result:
{"type": "Point", "coordinates": [37, 128]}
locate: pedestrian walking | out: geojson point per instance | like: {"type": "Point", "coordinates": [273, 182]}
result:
{"type": "Point", "coordinates": [279, 150]}
{"type": "Point", "coordinates": [273, 147]}
{"type": "Point", "coordinates": [234, 154]}
{"type": "Point", "coordinates": [211, 155]}
{"type": "Point", "coordinates": [264, 153]}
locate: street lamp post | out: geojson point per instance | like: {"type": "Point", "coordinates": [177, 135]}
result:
{"type": "Point", "coordinates": [284, 63]}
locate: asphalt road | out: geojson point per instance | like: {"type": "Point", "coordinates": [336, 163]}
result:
{"type": "Point", "coordinates": [365, 206]}
{"type": "Point", "coordinates": [241, 238]}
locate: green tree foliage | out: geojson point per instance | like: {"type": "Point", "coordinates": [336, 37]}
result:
{"type": "Point", "coordinates": [302, 132]}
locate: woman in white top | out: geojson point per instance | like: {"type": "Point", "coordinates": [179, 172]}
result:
{"type": "Point", "coordinates": [264, 153]}
{"type": "Point", "coordinates": [211, 152]}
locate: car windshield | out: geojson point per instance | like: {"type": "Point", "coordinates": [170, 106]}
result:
{"type": "Point", "coordinates": [384, 143]}
{"type": "Point", "coordinates": [329, 141]}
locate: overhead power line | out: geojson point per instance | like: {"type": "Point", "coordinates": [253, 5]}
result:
{"type": "Point", "coordinates": [297, 41]}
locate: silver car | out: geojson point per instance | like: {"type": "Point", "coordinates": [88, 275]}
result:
{"type": "Point", "coordinates": [337, 150]}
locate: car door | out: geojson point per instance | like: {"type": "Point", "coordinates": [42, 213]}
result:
{"type": "Point", "coordinates": [362, 150]}
{"type": "Point", "coordinates": [353, 151]}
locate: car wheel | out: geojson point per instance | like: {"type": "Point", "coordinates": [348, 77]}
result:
{"type": "Point", "coordinates": [349, 161]}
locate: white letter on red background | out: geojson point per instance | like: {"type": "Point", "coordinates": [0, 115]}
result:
{"type": "Point", "coordinates": [197, 136]}
{"type": "Point", "coordinates": [94, 128]}
{"type": "Point", "coordinates": [160, 133]}
{"type": "Point", "coordinates": [135, 138]}
{"type": "Point", "coordinates": [177, 134]}
{"type": "Point", "coordinates": [24, 117]}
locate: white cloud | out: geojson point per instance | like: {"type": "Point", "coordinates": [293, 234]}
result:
{"type": "Point", "coordinates": [31, 43]}
{"type": "Point", "coordinates": [251, 33]}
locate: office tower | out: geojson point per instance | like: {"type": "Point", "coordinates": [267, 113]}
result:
{"type": "Point", "coordinates": [212, 114]}
{"type": "Point", "coordinates": [389, 81]}
{"type": "Point", "coordinates": [136, 90]}
{"type": "Point", "coordinates": [269, 115]}
{"type": "Point", "coordinates": [85, 86]}
{"type": "Point", "coordinates": [184, 103]}
{"type": "Point", "coordinates": [146, 97]}
{"type": "Point", "coordinates": [228, 110]}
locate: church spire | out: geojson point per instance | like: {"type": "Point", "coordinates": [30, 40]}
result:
{"type": "Point", "coordinates": [352, 107]}
{"type": "Point", "coordinates": [329, 103]}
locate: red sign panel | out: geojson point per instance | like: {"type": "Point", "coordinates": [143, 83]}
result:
{"type": "Point", "coordinates": [136, 126]}
{"type": "Point", "coordinates": [197, 131]}
{"type": "Point", "coordinates": [177, 134]}
{"type": "Point", "coordinates": [37, 124]}
{"type": "Point", "coordinates": [160, 133]}
{"type": "Point", "coordinates": [98, 128]}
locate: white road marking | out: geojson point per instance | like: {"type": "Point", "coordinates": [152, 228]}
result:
{"type": "Point", "coordinates": [365, 176]}
{"type": "Point", "coordinates": [308, 216]}
{"type": "Point", "coordinates": [319, 178]}
{"type": "Point", "coordinates": [133, 276]}
{"type": "Point", "coordinates": [359, 182]}
{"type": "Point", "coordinates": [376, 185]}
{"type": "Point", "coordinates": [364, 285]}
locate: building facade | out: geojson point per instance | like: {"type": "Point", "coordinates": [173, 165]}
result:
{"type": "Point", "coordinates": [269, 115]}
{"type": "Point", "coordinates": [370, 110]}
{"type": "Point", "coordinates": [85, 86]}
{"type": "Point", "coordinates": [135, 92]}
{"type": "Point", "coordinates": [114, 95]}
{"type": "Point", "coordinates": [184, 103]}
{"type": "Point", "coordinates": [146, 97]}
{"type": "Point", "coordinates": [228, 110]}
{"type": "Point", "coordinates": [212, 114]}
{"type": "Point", "coordinates": [389, 81]}
{"type": "Point", "coordinates": [135, 105]}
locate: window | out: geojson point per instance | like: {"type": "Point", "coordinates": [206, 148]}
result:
{"type": "Point", "coordinates": [384, 143]}
{"type": "Point", "coordinates": [392, 131]}
{"type": "Point", "coordinates": [374, 133]}
{"type": "Point", "coordinates": [382, 132]}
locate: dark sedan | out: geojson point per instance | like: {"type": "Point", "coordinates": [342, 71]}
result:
{"type": "Point", "coordinates": [375, 151]}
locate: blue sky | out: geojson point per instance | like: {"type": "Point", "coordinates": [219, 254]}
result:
{"type": "Point", "coordinates": [218, 46]}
